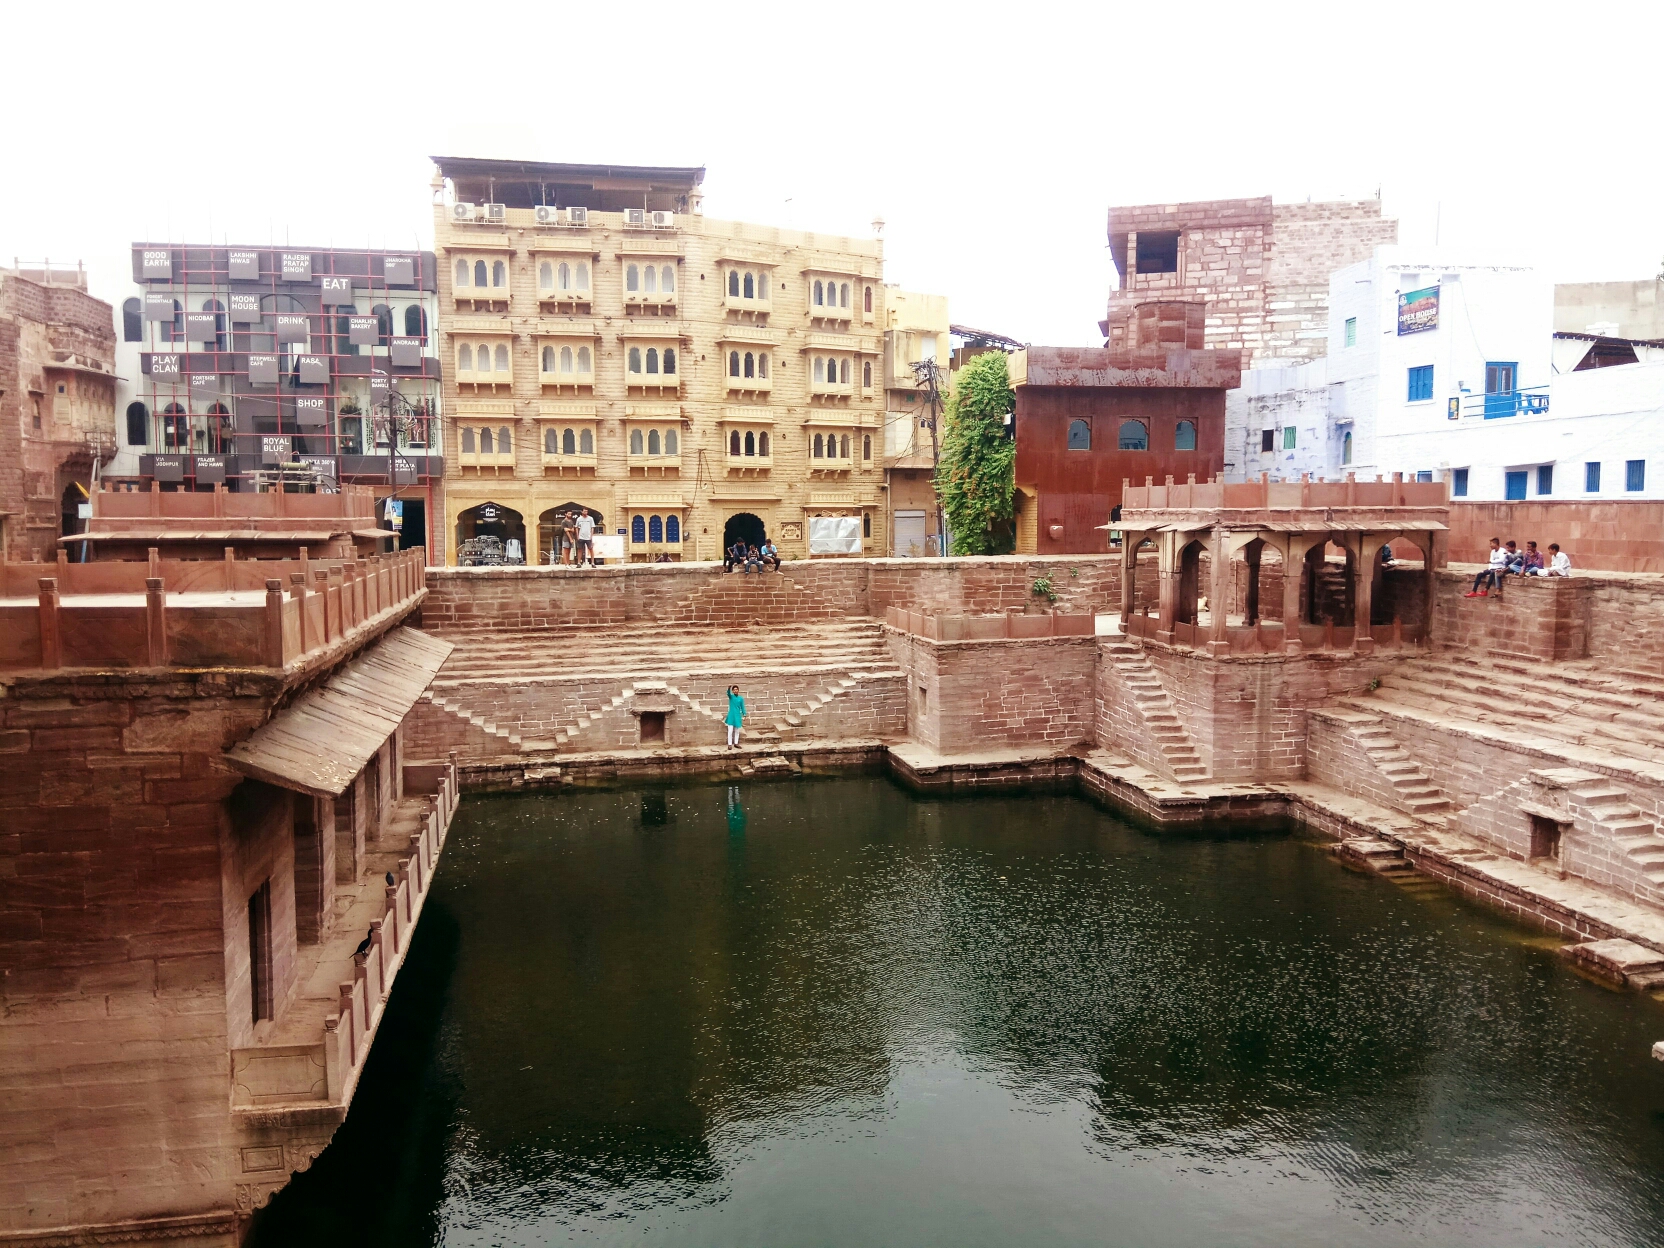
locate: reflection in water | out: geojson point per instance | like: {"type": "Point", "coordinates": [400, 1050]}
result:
{"type": "Point", "coordinates": [874, 1019]}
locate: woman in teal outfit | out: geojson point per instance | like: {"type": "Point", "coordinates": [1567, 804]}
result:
{"type": "Point", "coordinates": [736, 716]}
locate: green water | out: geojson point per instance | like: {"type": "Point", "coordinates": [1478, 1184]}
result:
{"type": "Point", "coordinates": [825, 1012]}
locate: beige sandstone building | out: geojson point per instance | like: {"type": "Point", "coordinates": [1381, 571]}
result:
{"type": "Point", "coordinates": [606, 346]}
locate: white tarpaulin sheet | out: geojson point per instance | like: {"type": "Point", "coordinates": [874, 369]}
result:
{"type": "Point", "coordinates": [835, 535]}
{"type": "Point", "coordinates": [609, 546]}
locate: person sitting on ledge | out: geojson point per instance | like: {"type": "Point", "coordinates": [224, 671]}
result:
{"type": "Point", "coordinates": [1532, 563]}
{"type": "Point", "coordinates": [770, 553]}
{"type": "Point", "coordinates": [734, 556]}
{"type": "Point", "coordinates": [1491, 577]}
{"type": "Point", "coordinates": [1514, 561]}
{"type": "Point", "coordinates": [1559, 564]}
{"type": "Point", "coordinates": [753, 560]}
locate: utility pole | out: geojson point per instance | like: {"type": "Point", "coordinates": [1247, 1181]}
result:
{"type": "Point", "coordinates": [927, 376]}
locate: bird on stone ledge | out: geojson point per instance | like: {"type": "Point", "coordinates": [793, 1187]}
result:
{"type": "Point", "coordinates": [364, 945]}
{"type": "Point", "coordinates": [390, 880]}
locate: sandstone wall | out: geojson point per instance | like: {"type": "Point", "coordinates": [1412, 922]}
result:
{"type": "Point", "coordinates": [461, 599]}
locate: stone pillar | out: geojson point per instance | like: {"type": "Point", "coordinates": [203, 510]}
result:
{"type": "Point", "coordinates": [1129, 573]}
{"type": "Point", "coordinates": [1251, 593]}
{"type": "Point", "coordinates": [1363, 585]}
{"type": "Point", "coordinates": [1294, 576]}
{"type": "Point", "coordinates": [1167, 548]}
{"type": "Point", "coordinates": [1219, 592]}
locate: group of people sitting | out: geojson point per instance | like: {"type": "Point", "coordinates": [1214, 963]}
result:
{"type": "Point", "coordinates": [749, 558]}
{"type": "Point", "coordinates": [1507, 559]}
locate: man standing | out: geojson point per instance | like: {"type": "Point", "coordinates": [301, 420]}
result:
{"type": "Point", "coordinates": [586, 538]}
{"type": "Point", "coordinates": [569, 530]}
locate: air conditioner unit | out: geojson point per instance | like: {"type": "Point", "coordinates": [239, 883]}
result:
{"type": "Point", "coordinates": [635, 217]}
{"type": "Point", "coordinates": [577, 216]}
{"type": "Point", "coordinates": [546, 214]}
{"type": "Point", "coordinates": [664, 220]}
{"type": "Point", "coordinates": [496, 212]}
{"type": "Point", "coordinates": [463, 212]}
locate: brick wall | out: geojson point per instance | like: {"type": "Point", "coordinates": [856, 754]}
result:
{"type": "Point", "coordinates": [965, 696]}
{"type": "Point", "coordinates": [1598, 536]}
{"type": "Point", "coordinates": [461, 599]}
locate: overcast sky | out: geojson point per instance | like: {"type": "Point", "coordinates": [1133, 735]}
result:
{"type": "Point", "coordinates": [991, 140]}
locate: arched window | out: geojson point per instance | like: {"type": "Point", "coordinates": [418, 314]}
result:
{"type": "Point", "coordinates": [568, 444]}
{"type": "Point", "coordinates": [733, 284]}
{"type": "Point", "coordinates": [866, 374]}
{"type": "Point", "coordinates": [586, 442]}
{"type": "Point", "coordinates": [820, 294]}
{"type": "Point", "coordinates": [843, 447]}
{"type": "Point", "coordinates": [502, 358]}
{"type": "Point", "coordinates": [499, 273]}
{"type": "Point", "coordinates": [504, 446]}
{"type": "Point", "coordinates": [655, 529]}
{"type": "Point", "coordinates": [868, 304]}
{"type": "Point", "coordinates": [479, 273]}
{"type": "Point", "coordinates": [866, 524]}
{"type": "Point", "coordinates": [843, 295]}
{"type": "Point", "coordinates": [750, 443]}
{"type": "Point", "coordinates": [1134, 436]}
{"type": "Point", "coordinates": [1080, 436]}
{"type": "Point", "coordinates": [820, 369]}
{"type": "Point", "coordinates": [843, 372]}
{"type": "Point", "coordinates": [734, 442]}
{"type": "Point", "coordinates": [819, 451]}
{"type": "Point", "coordinates": [635, 359]}
{"type": "Point", "coordinates": [566, 359]}
{"type": "Point", "coordinates": [670, 442]}
{"type": "Point", "coordinates": [670, 359]}
{"type": "Point", "coordinates": [650, 279]}
{"type": "Point", "coordinates": [653, 447]}
{"type": "Point", "coordinates": [866, 446]}
{"type": "Point", "coordinates": [635, 442]}
{"type": "Point", "coordinates": [138, 421]}
{"type": "Point", "coordinates": [762, 364]}
{"type": "Point", "coordinates": [545, 276]}
{"type": "Point", "coordinates": [762, 443]}
{"type": "Point", "coordinates": [583, 275]}
{"type": "Point", "coordinates": [467, 437]}
{"type": "Point", "coordinates": [762, 285]}
{"type": "Point", "coordinates": [175, 426]}
{"type": "Point", "coordinates": [416, 322]}
{"type": "Point", "coordinates": [548, 359]}
{"type": "Point", "coordinates": [551, 442]}
{"type": "Point", "coordinates": [672, 529]}
{"type": "Point", "coordinates": [384, 324]}
{"type": "Point", "coordinates": [1184, 436]}
{"type": "Point", "coordinates": [132, 322]}
{"type": "Point", "coordinates": [465, 359]}
{"type": "Point", "coordinates": [750, 287]}
{"type": "Point", "coordinates": [652, 359]}
{"type": "Point", "coordinates": [583, 360]}
{"type": "Point", "coordinates": [638, 529]}
{"type": "Point", "coordinates": [667, 280]}
{"type": "Point", "coordinates": [485, 442]}
{"type": "Point", "coordinates": [750, 365]}
{"type": "Point", "coordinates": [632, 278]}
{"type": "Point", "coordinates": [733, 363]}
{"type": "Point", "coordinates": [461, 273]}
{"type": "Point", "coordinates": [174, 331]}
{"type": "Point", "coordinates": [563, 277]}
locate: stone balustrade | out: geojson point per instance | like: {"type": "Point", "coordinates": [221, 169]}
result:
{"type": "Point", "coordinates": [207, 613]}
{"type": "Point", "coordinates": [1006, 627]}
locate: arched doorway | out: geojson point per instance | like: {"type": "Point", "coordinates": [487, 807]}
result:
{"type": "Point", "coordinates": [552, 543]}
{"type": "Point", "coordinates": [490, 534]}
{"type": "Point", "coordinates": [743, 526]}
{"type": "Point", "coordinates": [70, 508]}
{"type": "Point", "coordinates": [1190, 583]}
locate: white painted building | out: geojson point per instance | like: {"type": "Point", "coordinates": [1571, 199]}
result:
{"type": "Point", "coordinates": [1445, 365]}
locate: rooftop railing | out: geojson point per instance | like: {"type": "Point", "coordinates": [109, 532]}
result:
{"type": "Point", "coordinates": [1266, 494]}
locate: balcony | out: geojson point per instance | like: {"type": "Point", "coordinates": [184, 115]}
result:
{"type": "Point", "coordinates": [569, 447]}
{"type": "Point", "coordinates": [829, 312]}
{"type": "Point", "coordinates": [750, 385]}
{"type": "Point", "coordinates": [575, 378]}
{"type": "Point", "coordinates": [656, 451]}
{"type": "Point", "coordinates": [653, 303]}
{"type": "Point", "coordinates": [831, 389]}
{"type": "Point", "coordinates": [1528, 401]}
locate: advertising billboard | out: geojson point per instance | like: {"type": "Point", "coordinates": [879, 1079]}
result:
{"type": "Point", "coordinates": [1418, 310]}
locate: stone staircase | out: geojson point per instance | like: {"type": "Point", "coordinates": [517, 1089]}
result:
{"type": "Point", "coordinates": [814, 662]}
{"type": "Point", "coordinates": [1413, 786]}
{"type": "Point", "coordinates": [1155, 708]}
{"type": "Point", "coordinates": [1614, 816]}
{"type": "Point", "coordinates": [1587, 704]}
